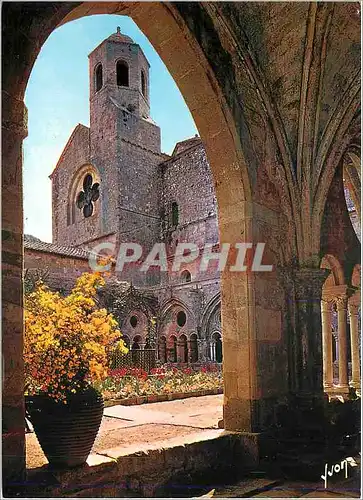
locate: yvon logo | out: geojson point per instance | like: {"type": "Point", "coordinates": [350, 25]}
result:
{"type": "Point", "coordinates": [335, 469]}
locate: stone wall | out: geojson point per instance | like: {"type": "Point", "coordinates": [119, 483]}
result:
{"type": "Point", "coordinates": [59, 272]}
{"type": "Point", "coordinates": [187, 180]}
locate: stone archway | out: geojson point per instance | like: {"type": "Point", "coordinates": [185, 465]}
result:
{"type": "Point", "coordinates": [193, 347]}
{"type": "Point", "coordinates": [244, 308]}
{"type": "Point", "coordinates": [182, 347]}
{"type": "Point", "coordinates": [334, 338]}
{"type": "Point", "coordinates": [210, 325]}
{"type": "Point", "coordinates": [162, 349]}
{"type": "Point", "coordinates": [340, 301]}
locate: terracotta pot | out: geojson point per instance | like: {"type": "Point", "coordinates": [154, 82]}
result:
{"type": "Point", "coordinates": [66, 432]}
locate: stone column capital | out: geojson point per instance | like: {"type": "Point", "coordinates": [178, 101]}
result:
{"type": "Point", "coordinates": [309, 282]}
{"type": "Point", "coordinates": [339, 290]}
{"type": "Point", "coordinates": [341, 302]}
{"type": "Point", "coordinates": [353, 308]}
{"type": "Point", "coordinates": [326, 304]}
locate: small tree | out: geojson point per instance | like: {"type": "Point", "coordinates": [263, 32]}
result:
{"type": "Point", "coordinates": [67, 339]}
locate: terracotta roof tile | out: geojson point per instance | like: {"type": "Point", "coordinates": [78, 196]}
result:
{"type": "Point", "coordinates": [32, 243]}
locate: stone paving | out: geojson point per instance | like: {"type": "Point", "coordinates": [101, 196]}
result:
{"type": "Point", "coordinates": [127, 429]}
{"type": "Point", "coordinates": [200, 413]}
{"type": "Point", "coordinates": [132, 426]}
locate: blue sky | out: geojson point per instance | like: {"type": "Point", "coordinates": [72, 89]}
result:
{"type": "Point", "coordinates": [57, 98]}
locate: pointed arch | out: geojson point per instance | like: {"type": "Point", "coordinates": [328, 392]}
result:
{"type": "Point", "coordinates": [122, 73]}
{"type": "Point", "coordinates": [98, 77]}
{"type": "Point", "coordinates": [356, 276]}
{"type": "Point", "coordinates": [209, 311]}
{"type": "Point", "coordinates": [337, 272]}
{"type": "Point", "coordinates": [171, 304]}
{"type": "Point", "coordinates": [143, 83]}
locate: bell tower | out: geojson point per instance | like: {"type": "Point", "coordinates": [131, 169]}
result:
{"type": "Point", "coordinates": [106, 185]}
{"type": "Point", "coordinates": [119, 68]}
{"type": "Point", "coordinates": [124, 141]}
{"type": "Point", "coordinates": [119, 94]}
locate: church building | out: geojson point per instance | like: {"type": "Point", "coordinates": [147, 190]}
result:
{"type": "Point", "coordinates": [113, 184]}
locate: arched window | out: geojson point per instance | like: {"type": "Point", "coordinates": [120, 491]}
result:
{"type": "Point", "coordinates": [136, 343]}
{"type": "Point", "coordinates": [98, 77]}
{"type": "Point", "coordinates": [162, 349]}
{"type": "Point", "coordinates": [133, 321]}
{"type": "Point", "coordinates": [135, 350]}
{"type": "Point", "coordinates": [186, 276]}
{"type": "Point", "coordinates": [143, 83]}
{"type": "Point", "coordinates": [183, 349]}
{"type": "Point", "coordinates": [174, 214]}
{"type": "Point", "coordinates": [181, 318]}
{"type": "Point", "coordinates": [122, 74]}
{"type": "Point", "coordinates": [172, 349]}
{"type": "Point", "coordinates": [217, 353]}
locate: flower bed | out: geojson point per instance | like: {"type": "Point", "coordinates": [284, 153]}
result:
{"type": "Point", "coordinates": [162, 383]}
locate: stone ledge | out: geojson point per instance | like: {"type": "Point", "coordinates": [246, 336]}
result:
{"type": "Point", "coordinates": [159, 398]}
{"type": "Point", "coordinates": [130, 470]}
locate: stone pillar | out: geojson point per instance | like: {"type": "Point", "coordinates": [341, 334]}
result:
{"type": "Point", "coordinates": [335, 363]}
{"type": "Point", "coordinates": [214, 351]}
{"type": "Point", "coordinates": [327, 344]}
{"type": "Point", "coordinates": [308, 361]}
{"type": "Point", "coordinates": [202, 350]}
{"type": "Point", "coordinates": [211, 356]}
{"type": "Point", "coordinates": [13, 443]}
{"type": "Point", "coordinates": [335, 335]}
{"type": "Point", "coordinates": [341, 303]}
{"type": "Point", "coordinates": [354, 343]}
{"type": "Point", "coordinates": [179, 355]}
{"type": "Point", "coordinates": [170, 355]}
{"type": "Point", "coordinates": [189, 346]}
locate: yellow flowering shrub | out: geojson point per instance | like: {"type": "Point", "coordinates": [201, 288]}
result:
{"type": "Point", "coordinates": [67, 339]}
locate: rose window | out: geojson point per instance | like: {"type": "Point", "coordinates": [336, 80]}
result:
{"type": "Point", "coordinates": [87, 197]}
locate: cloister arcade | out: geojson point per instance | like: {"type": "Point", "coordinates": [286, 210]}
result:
{"type": "Point", "coordinates": [340, 310]}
